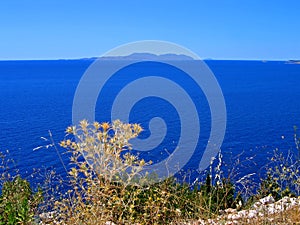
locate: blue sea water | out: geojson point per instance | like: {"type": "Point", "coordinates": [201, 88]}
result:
{"type": "Point", "coordinates": [262, 103]}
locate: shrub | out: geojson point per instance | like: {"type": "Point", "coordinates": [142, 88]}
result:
{"type": "Point", "coordinates": [18, 203]}
{"type": "Point", "coordinates": [219, 196]}
{"type": "Point", "coordinates": [283, 178]}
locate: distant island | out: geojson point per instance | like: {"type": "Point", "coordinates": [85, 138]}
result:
{"type": "Point", "coordinates": [293, 62]}
{"type": "Point", "coordinates": [174, 57]}
{"type": "Point", "coordinates": [145, 56]}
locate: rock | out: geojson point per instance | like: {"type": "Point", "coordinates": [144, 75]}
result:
{"type": "Point", "coordinates": [257, 205]}
{"type": "Point", "coordinates": [252, 214]}
{"type": "Point", "coordinates": [235, 217]}
{"type": "Point", "coordinates": [267, 200]}
{"type": "Point", "coordinates": [47, 216]}
{"type": "Point", "coordinates": [110, 223]}
{"type": "Point", "coordinates": [243, 213]}
{"type": "Point", "coordinates": [230, 210]}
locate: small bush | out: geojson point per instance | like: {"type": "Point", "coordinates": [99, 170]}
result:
{"type": "Point", "coordinates": [283, 177]}
{"type": "Point", "coordinates": [18, 203]}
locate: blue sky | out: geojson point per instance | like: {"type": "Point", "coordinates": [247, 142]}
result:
{"type": "Point", "coordinates": [231, 29]}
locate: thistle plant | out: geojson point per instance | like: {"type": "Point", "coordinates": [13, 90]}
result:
{"type": "Point", "coordinates": [103, 169]}
{"type": "Point", "coordinates": [106, 149]}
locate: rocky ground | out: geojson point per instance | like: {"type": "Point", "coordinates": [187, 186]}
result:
{"type": "Point", "coordinates": [264, 211]}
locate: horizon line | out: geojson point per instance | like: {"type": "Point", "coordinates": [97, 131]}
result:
{"type": "Point", "coordinates": [93, 58]}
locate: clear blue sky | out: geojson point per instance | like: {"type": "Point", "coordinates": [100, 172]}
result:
{"type": "Point", "coordinates": [231, 29]}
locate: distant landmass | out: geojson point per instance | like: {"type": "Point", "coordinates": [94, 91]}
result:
{"type": "Point", "coordinates": [293, 62]}
{"type": "Point", "coordinates": [174, 57]}
{"type": "Point", "coordinates": [145, 56]}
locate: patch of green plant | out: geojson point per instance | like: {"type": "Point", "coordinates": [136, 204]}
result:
{"type": "Point", "coordinates": [18, 203]}
{"type": "Point", "coordinates": [219, 196]}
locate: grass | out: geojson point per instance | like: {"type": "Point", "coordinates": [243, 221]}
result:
{"type": "Point", "coordinates": [106, 185]}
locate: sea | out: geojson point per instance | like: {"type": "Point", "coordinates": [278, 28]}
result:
{"type": "Point", "coordinates": [262, 101]}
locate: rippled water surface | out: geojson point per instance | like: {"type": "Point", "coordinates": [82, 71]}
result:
{"type": "Point", "coordinates": [262, 102]}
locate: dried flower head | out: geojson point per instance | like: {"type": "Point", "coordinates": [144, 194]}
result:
{"type": "Point", "coordinates": [105, 126]}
